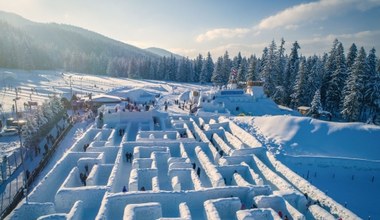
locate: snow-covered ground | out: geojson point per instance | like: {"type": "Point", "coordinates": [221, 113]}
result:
{"type": "Point", "coordinates": [335, 157]}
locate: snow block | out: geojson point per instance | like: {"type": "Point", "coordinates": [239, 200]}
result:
{"type": "Point", "coordinates": [216, 178]}
{"type": "Point", "coordinates": [91, 197]}
{"type": "Point", "coordinates": [319, 213]}
{"type": "Point", "coordinates": [257, 214]}
{"type": "Point", "coordinates": [32, 210]}
{"type": "Point", "coordinates": [224, 208]}
{"type": "Point", "coordinates": [144, 211]}
{"type": "Point", "coordinates": [278, 204]}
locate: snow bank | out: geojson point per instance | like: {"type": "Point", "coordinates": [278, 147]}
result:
{"type": "Point", "coordinates": [199, 134]}
{"type": "Point", "coordinates": [46, 189]}
{"type": "Point", "coordinates": [313, 192]}
{"type": "Point", "coordinates": [115, 202]}
{"type": "Point", "coordinates": [148, 211]}
{"type": "Point", "coordinates": [297, 136]}
{"type": "Point", "coordinates": [271, 176]}
{"type": "Point", "coordinates": [224, 208]}
{"type": "Point", "coordinates": [32, 210]}
{"type": "Point", "coordinates": [99, 175]}
{"type": "Point", "coordinates": [347, 163]}
{"type": "Point", "coordinates": [142, 163]}
{"type": "Point", "coordinates": [234, 141]}
{"type": "Point", "coordinates": [244, 136]}
{"type": "Point", "coordinates": [243, 160]}
{"type": "Point", "coordinates": [319, 213]}
{"type": "Point", "coordinates": [90, 195]}
{"type": "Point", "coordinates": [218, 141]}
{"type": "Point", "coordinates": [184, 211]}
{"type": "Point", "coordinates": [278, 204]}
{"type": "Point", "coordinates": [257, 214]}
{"type": "Point", "coordinates": [181, 179]}
{"type": "Point", "coordinates": [215, 178]}
{"type": "Point", "coordinates": [141, 178]}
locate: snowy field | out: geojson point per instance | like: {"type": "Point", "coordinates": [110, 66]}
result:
{"type": "Point", "coordinates": [335, 157]}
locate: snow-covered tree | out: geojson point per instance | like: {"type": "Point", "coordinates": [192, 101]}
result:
{"type": "Point", "coordinates": [198, 64]}
{"type": "Point", "coordinates": [351, 56]}
{"type": "Point", "coordinates": [226, 68]}
{"type": "Point", "coordinates": [217, 75]}
{"type": "Point", "coordinates": [207, 69]}
{"type": "Point", "coordinates": [241, 72]}
{"type": "Point", "coordinates": [298, 96]}
{"type": "Point", "coordinates": [252, 73]}
{"type": "Point", "coordinates": [315, 77]}
{"type": "Point", "coordinates": [281, 63]}
{"type": "Point", "coordinates": [291, 72]}
{"type": "Point", "coordinates": [353, 102]}
{"type": "Point", "coordinates": [316, 105]}
{"type": "Point", "coordinates": [330, 67]}
{"type": "Point", "coordinates": [372, 84]}
{"type": "Point", "coordinates": [337, 80]}
{"type": "Point", "coordinates": [270, 70]}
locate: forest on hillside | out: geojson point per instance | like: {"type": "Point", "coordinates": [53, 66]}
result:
{"type": "Point", "coordinates": [346, 84]}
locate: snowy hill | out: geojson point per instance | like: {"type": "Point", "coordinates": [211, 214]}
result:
{"type": "Point", "coordinates": [51, 45]}
{"type": "Point", "coordinates": [304, 136]}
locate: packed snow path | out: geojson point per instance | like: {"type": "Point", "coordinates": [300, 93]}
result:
{"type": "Point", "coordinates": [191, 168]}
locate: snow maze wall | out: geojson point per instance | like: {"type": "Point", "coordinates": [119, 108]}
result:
{"type": "Point", "coordinates": [181, 168]}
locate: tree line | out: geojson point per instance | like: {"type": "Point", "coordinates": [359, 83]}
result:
{"type": "Point", "coordinates": [347, 85]}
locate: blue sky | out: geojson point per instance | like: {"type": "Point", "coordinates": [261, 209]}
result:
{"type": "Point", "coordinates": [190, 27]}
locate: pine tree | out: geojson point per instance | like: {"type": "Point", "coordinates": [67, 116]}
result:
{"type": "Point", "coordinates": [252, 67]}
{"type": "Point", "coordinates": [315, 76]}
{"type": "Point", "coordinates": [353, 102]}
{"type": "Point", "coordinates": [217, 75]}
{"type": "Point", "coordinates": [281, 63]}
{"type": "Point", "coordinates": [298, 96]}
{"type": "Point", "coordinates": [133, 71]}
{"type": "Point", "coordinates": [291, 72]}
{"type": "Point", "coordinates": [270, 70]}
{"type": "Point", "coordinates": [316, 105]}
{"type": "Point", "coordinates": [226, 68]}
{"type": "Point", "coordinates": [241, 72]}
{"type": "Point", "coordinates": [330, 67]}
{"type": "Point", "coordinates": [372, 84]}
{"type": "Point", "coordinates": [207, 69]}
{"type": "Point", "coordinates": [351, 56]}
{"type": "Point", "coordinates": [198, 64]}
{"type": "Point", "coordinates": [337, 80]}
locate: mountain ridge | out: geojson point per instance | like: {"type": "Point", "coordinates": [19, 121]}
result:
{"type": "Point", "coordinates": [35, 45]}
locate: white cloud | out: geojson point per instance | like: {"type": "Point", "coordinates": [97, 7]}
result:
{"type": "Point", "coordinates": [312, 11]}
{"type": "Point", "coordinates": [222, 33]}
{"type": "Point", "coordinates": [293, 17]}
{"type": "Point", "coordinates": [322, 44]}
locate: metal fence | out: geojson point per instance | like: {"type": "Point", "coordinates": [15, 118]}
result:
{"type": "Point", "coordinates": [14, 190]}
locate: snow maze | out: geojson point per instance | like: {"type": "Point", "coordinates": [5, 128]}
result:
{"type": "Point", "coordinates": [181, 167]}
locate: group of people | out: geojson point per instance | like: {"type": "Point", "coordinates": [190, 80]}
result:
{"type": "Point", "coordinates": [198, 169]}
{"type": "Point", "coordinates": [281, 215]}
{"type": "Point", "coordinates": [83, 178]}
{"type": "Point", "coordinates": [121, 132]}
{"type": "Point", "coordinates": [129, 157]}
{"type": "Point", "coordinates": [85, 146]}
